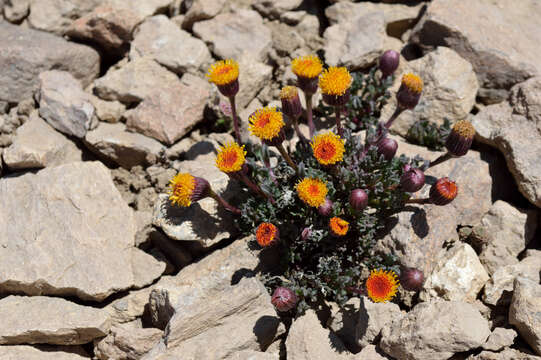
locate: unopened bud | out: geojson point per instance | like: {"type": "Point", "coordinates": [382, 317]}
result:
{"type": "Point", "coordinates": [305, 234]}
{"type": "Point", "coordinates": [409, 93]}
{"type": "Point", "coordinates": [284, 299]}
{"type": "Point", "coordinates": [387, 147]}
{"type": "Point", "coordinates": [358, 199]}
{"type": "Point", "coordinates": [412, 179]}
{"type": "Point", "coordinates": [291, 104]}
{"type": "Point", "coordinates": [460, 138]}
{"type": "Point", "coordinates": [412, 279]}
{"type": "Point", "coordinates": [388, 62]}
{"type": "Point", "coordinates": [443, 191]}
{"type": "Point", "coordinates": [325, 209]}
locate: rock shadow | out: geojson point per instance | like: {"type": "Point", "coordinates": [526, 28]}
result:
{"type": "Point", "coordinates": [265, 330]}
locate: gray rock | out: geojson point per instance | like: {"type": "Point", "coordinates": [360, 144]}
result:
{"type": "Point", "coordinates": [16, 11]}
{"type": "Point", "coordinates": [369, 352]}
{"type": "Point", "coordinates": [275, 8]}
{"type": "Point", "coordinates": [253, 76]}
{"type": "Point", "coordinates": [57, 15]}
{"type": "Point", "coordinates": [161, 39]}
{"type": "Point", "coordinates": [127, 342]}
{"type": "Point", "coordinates": [125, 148]}
{"type": "Point", "coordinates": [108, 111]}
{"type": "Point", "coordinates": [435, 330]}
{"type": "Point", "coordinates": [202, 10]}
{"type": "Point", "coordinates": [64, 104]}
{"type": "Point", "coordinates": [38, 145]}
{"type": "Point", "coordinates": [500, 338]}
{"type": "Point", "coordinates": [525, 311]}
{"type": "Point", "coordinates": [49, 320]}
{"type": "Point", "coordinates": [230, 35]}
{"type": "Point", "coordinates": [19, 69]}
{"type": "Point", "coordinates": [506, 354]}
{"type": "Point", "coordinates": [80, 225]}
{"type": "Point", "coordinates": [142, 8]}
{"type": "Point", "coordinates": [484, 36]}
{"type": "Point", "coordinates": [19, 352]}
{"type": "Point", "coordinates": [254, 355]}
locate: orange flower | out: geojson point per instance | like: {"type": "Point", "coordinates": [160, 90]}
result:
{"type": "Point", "coordinates": [267, 234]}
{"type": "Point", "coordinates": [328, 148]}
{"type": "Point", "coordinates": [413, 83]}
{"type": "Point", "coordinates": [181, 188]}
{"type": "Point", "coordinates": [381, 285]}
{"type": "Point", "coordinates": [312, 191]}
{"type": "Point", "coordinates": [307, 66]}
{"type": "Point", "coordinates": [231, 157]}
{"type": "Point", "coordinates": [339, 227]}
{"type": "Point", "coordinates": [266, 123]}
{"type": "Point", "coordinates": [335, 81]}
{"type": "Point", "coordinates": [223, 72]}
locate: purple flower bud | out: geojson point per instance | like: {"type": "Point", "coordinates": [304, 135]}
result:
{"type": "Point", "coordinates": [305, 234]}
{"type": "Point", "coordinates": [201, 189]}
{"type": "Point", "coordinates": [325, 209]}
{"type": "Point", "coordinates": [387, 147]}
{"type": "Point", "coordinates": [291, 103]}
{"type": "Point", "coordinates": [358, 199]}
{"type": "Point", "coordinates": [443, 192]}
{"type": "Point", "coordinates": [409, 93]}
{"type": "Point", "coordinates": [460, 138]}
{"type": "Point", "coordinates": [336, 100]}
{"type": "Point", "coordinates": [412, 179]}
{"type": "Point", "coordinates": [284, 299]}
{"type": "Point", "coordinates": [229, 90]}
{"type": "Point", "coordinates": [388, 62]}
{"type": "Point", "coordinates": [412, 279]}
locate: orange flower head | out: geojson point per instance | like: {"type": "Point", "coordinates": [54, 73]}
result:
{"type": "Point", "coordinates": [413, 83]}
{"type": "Point", "coordinates": [267, 234]}
{"type": "Point", "coordinates": [339, 227]}
{"type": "Point", "coordinates": [266, 123]}
{"type": "Point", "coordinates": [335, 81]}
{"type": "Point", "coordinates": [328, 148]}
{"type": "Point", "coordinates": [312, 191]}
{"type": "Point", "coordinates": [309, 66]}
{"type": "Point", "coordinates": [381, 285]}
{"type": "Point", "coordinates": [181, 188]}
{"type": "Point", "coordinates": [223, 72]}
{"type": "Point", "coordinates": [231, 157]}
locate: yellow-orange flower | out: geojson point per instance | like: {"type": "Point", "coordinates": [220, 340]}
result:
{"type": "Point", "coordinates": [231, 157]}
{"type": "Point", "coordinates": [181, 188]}
{"type": "Point", "coordinates": [339, 226]}
{"type": "Point", "coordinates": [312, 191]}
{"type": "Point", "coordinates": [413, 83]}
{"type": "Point", "coordinates": [223, 72]}
{"type": "Point", "coordinates": [266, 123]}
{"type": "Point", "coordinates": [307, 66]}
{"type": "Point", "coordinates": [381, 285]}
{"type": "Point", "coordinates": [335, 81]}
{"type": "Point", "coordinates": [266, 234]}
{"type": "Point", "coordinates": [328, 148]}
{"type": "Point", "coordinates": [289, 92]}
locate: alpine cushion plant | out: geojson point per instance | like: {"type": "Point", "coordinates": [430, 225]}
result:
{"type": "Point", "coordinates": [324, 205]}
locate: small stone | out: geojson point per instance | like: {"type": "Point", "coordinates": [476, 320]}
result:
{"type": "Point", "coordinates": [506, 354]}
{"type": "Point", "coordinates": [500, 338]}
{"type": "Point", "coordinates": [202, 10]}
{"type": "Point", "coordinates": [127, 342]}
{"type": "Point", "coordinates": [57, 15]}
{"type": "Point", "coordinates": [525, 311]}
{"type": "Point", "coordinates": [26, 352]}
{"type": "Point", "coordinates": [108, 111]}
{"type": "Point", "coordinates": [16, 11]}
{"type": "Point", "coordinates": [274, 8]}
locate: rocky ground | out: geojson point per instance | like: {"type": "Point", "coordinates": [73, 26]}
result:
{"type": "Point", "coordinates": [103, 101]}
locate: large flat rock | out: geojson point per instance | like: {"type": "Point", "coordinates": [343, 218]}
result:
{"type": "Point", "coordinates": [25, 352]}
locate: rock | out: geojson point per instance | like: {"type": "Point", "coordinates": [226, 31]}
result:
{"type": "Point", "coordinates": [498, 288]}
{"type": "Point", "coordinates": [308, 340]}
{"type": "Point", "coordinates": [449, 90]}
{"type": "Point", "coordinates": [134, 81]}
{"type": "Point", "coordinates": [202, 10]}
{"type": "Point", "coordinates": [19, 69]}
{"type": "Point", "coordinates": [508, 231]}
{"type": "Point", "coordinates": [26, 352]}
{"type": "Point", "coordinates": [457, 276]}
{"type": "Point", "coordinates": [254, 355]}
{"type": "Point", "coordinates": [525, 311]}
{"type": "Point", "coordinates": [369, 352]}
{"type": "Point", "coordinates": [160, 39]}
{"type": "Point", "coordinates": [506, 354]}
{"type": "Point", "coordinates": [64, 104]}
{"type": "Point", "coordinates": [230, 35]}
{"type": "Point", "coordinates": [285, 40]}
{"type": "Point", "coordinates": [16, 11]}
{"type": "Point", "coordinates": [435, 330]}
{"type": "Point", "coordinates": [275, 8]}
{"type": "Point", "coordinates": [176, 253]}
{"type": "Point", "coordinates": [142, 8]}
{"type": "Point", "coordinates": [500, 338]}
{"type": "Point", "coordinates": [108, 111]}
{"type": "Point", "coordinates": [484, 41]}
{"type": "Point", "coordinates": [38, 145]}
{"type": "Point", "coordinates": [80, 225]}
{"type": "Point", "coordinates": [169, 115]}
{"type": "Point", "coordinates": [356, 43]}
{"type": "Point", "coordinates": [127, 342]}
{"type": "Point", "coordinates": [292, 17]}
{"type": "Point", "coordinates": [253, 76]}
{"type": "Point", "coordinates": [49, 320]}
{"type": "Point", "coordinates": [125, 148]}
{"type": "Point", "coordinates": [57, 15]}
{"type": "Point", "coordinates": [515, 130]}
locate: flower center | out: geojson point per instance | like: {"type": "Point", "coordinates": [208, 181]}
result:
{"type": "Point", "coordinates": [263, 120]}
{"type": "Point", "coordinates": [230, 158]}
{"type": "Point", "coordinates": [313, 190]}
{"type": "Point", "coordinates": [381, 286]}
{"type": "Point", "coordinates": [326, 151]}
{"type": "Point", "coordinates": [224, 70]}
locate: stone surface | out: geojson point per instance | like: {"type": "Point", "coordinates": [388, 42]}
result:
{"type": "Point", "coordinates": [356, 43]}
{"type": "Point", "coordinates": [49, 320]}
{"type": "Point", "coordinates": [19, 68]}
{"type": "Point", "coordinates": [64, 104]}
{"type": "Point", "coordinates": [369, 352]}
{"type": "Point", "coordinates": [508, 231]}
{"type": "Point", "coordinates": [435, 330]}
{"type": "Point", "coordinates": [458, 276]}
{"type": "Point", "coordinates": [515, 130]}
{"type": "Point", "coordinates": [16, 10]}
{"type": "Point", "coordinates": [37, 145]}
{"type": "Point", "coordinates": [19, 352]}
{"type": "Point", "coordinates": [230, 35]}
{"type": "Point", "coordinates": [275, 8]}
{"type": "Point", "coordinates": [134, 81]}
{"type": "Point", "coordinates": [506, 354]}
{"type": "Point", "coordinates": [253, 76]}
{"type": "Point", "coordinates": [308, 340]}
{"type": "Point", "coordinates": [449, 90]}
{"type": "Point", "coordinates": [202, 10]}
{"type": "Point", "coordinates": [57, 15]}
{"type": "Point", "coordinates": [80, 225]}
{"type": "Point", "coordinates": [254, 355]}
{"type": "Point", "coordinates": [108, 111]}
{"type": "Point", "coordinates": [161, 39]}
{"type": "Point", "coordinates": [525, 311]}
{"type": "Point", "coordinates": [142, 8]}
{"type": "Point", "coordinates": [169, 115]}
{"type": "Point", "coordinates": [127, 342]}
{"type": "Point", "coordinates": [500, 338]}
{"type": "Point", "coordinates": [497, 37]}
{"type": "Point", "coordinates": [127, 149]}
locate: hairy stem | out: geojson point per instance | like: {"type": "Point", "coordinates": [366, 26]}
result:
{"type": "Point", "coordinates": [235, 119]}
{"type": "Point", "coordinates": [309, 118]}
{"type": "Point", "coordinates": [441, 159]}
{"type": "Point", "coordinates": [220, 200]}
{"type": "Point", "coordinates": [284, 153]}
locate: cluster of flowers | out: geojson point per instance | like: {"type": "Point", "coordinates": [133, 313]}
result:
{"type": "Point", "coordinates": [330, 150]}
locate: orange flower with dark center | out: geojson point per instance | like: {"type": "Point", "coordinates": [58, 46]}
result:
{"type": "Point", "coordinates": [181, 188]}
{"type": "Point", "coordinates": [266, 123]}
{"type": "Point", "coordinates": [339, 227]}
{"type": "Point", "coordinates": [381, 285]}
{"type": "Point", "coordinates": [266, 234]}
{"type": "Point", "coordinates": [312, 191]}
{"type": "Point", "coordinates": [231, 157]}
{"type": "Point", "coordinates": [307, 66]}
{"type": "Point", "coordinates": [328, 148]}
{"type": "Point", "coordinates": [223, 72]}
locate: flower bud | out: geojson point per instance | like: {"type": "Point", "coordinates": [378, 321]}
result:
{"type": "Point", "coordinates": [277, 140]}
{"type": "Point", "coordinates": [409, 93]}
{"type": "Point", "coordinates": [412, 179]}
{"type": "Point", "coordinates": [201, 189]}
{"type": "Point", "coordinates": [267, 234]}
{"type": "Point", "coordinates": [412, 279]}
{"type": "Point", "coordinates": [325, 209]}
{"type": "Point", "coordinates": [284, 299]}
{"type": "Point", "coordinates": [388, 62]}
{"type": "Point", "coordinates": [305, 234]}
{"type": "Point", "coordinates": [291, 104]}
{"type": "Point", "coordinates": [358, 199]}
{"type": "Point", "coordinates": [443, 191]}
{"type": "Point", "coordinates": [460, 138]}
{"type": "Point", "coordinates": [336, 100]}
{"type": "Point", "coordinates": [387, 147]}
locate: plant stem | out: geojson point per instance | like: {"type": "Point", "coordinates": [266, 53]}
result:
{"type": "Point", "coordinates": [309, 119]}
{"type": "Point", "coordinates": [283, 151]}
{"type": "Point", "coordinates": [224, 203]}
{"type": "Point", "coordinates": [441, 159]}
{"type": "Point", "coordinates": [235, 119]}
{"type": "Point", "coordinates": [255, 188]}
{"type": "Point", "coordinates": [418, 201]}
{"type": "Point", "coordinates": [298, 130]}
{"type": "Point", "coordinates": [271, 173]}
{"type": "Point", "coordinates": [338, 124]}
{"type": "Point", "coordinates": [393, 117]}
